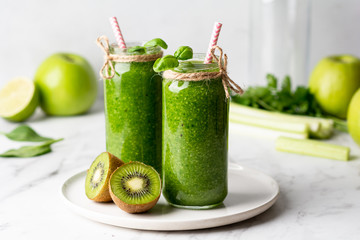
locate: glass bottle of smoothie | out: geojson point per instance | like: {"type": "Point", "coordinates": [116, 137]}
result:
{"type": "Point", "coordinates": [133, 106]}
{"type": "Point", "coordinates": [195, 137]}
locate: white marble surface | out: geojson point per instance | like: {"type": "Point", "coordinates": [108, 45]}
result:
{"type": "Point", "coordinates": [320, 198]}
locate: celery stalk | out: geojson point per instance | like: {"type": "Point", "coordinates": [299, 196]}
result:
{"type": "Point", "coordinates": [244, 110]}
{"type": "Point", "coordinates": [318, 127]}
{"type": "Point", "coordinates": [254, 131]}
{"type": "Point", "coordinates": [270, 124]}
{"type": "Point", "coordinates": [313, 148]}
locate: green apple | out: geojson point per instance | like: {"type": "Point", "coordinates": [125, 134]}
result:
{"type": "Point", "coordinates": [353, 117]}
{"type": "Point", "coordinates": [334, 81]}
{"type": "Point", "coordinates": [67, 84]}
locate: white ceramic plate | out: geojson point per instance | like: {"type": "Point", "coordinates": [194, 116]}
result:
{"type": "Point", "coordinates": [250, 193]}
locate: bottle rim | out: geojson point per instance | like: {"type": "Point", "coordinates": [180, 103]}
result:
{"type": "Point", "coordinates": [115, 49]}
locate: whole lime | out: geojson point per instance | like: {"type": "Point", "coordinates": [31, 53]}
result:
{"type": "Point", "coordinates": [67, 84]}
{"type": "Point", "coordinates": [334, 81]}
{"type": "Point", "coordinates": [353, 117]}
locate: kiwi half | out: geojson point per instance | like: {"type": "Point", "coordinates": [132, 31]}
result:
{"type": "Point", "coordinates": [135, 187]}
{"type": "Point", "coordinates": [98, 175]}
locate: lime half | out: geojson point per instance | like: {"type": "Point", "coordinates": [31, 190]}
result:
{"type": "Point", "coordinates": [18, 99]}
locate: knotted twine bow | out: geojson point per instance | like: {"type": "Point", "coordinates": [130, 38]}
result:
{"type": "Point", "coordinates": [103, 43]}
{"type": "Point", "coordinates": [199, 76]}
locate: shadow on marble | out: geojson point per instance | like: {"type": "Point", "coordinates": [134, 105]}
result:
{"type": "Point", "coordinates": [353, 157]}
{"type": "Point", "coordinates": [39, 115]}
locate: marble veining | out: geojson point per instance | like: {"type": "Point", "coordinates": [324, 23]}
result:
{"type": "Point", "coordinates": [319, 198]}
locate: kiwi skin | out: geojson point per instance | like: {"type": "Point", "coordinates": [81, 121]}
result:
{"type": "Point", "coordinates": [133, 208]}
{"type": "Point", "coordinates": [104, 195]}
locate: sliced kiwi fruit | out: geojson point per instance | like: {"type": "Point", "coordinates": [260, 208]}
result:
{"type": "Point", "coordinates": [98, 175]}
{"type": "Point", "coordinates": [135, 187]}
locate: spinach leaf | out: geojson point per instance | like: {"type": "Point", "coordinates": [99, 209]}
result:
{"type": "Point", "coordinates": [156, 42]}
{"type": "Point", "coordinates": [170, 62]}
{"type": "Point", "coordinates": [25, 133]}
{"type": "Point", "coordinates": [165, 63]}
{"type": "Point", "coordinates": [30, 151]}
{"type": "Point", "coordinates": [184, 53]}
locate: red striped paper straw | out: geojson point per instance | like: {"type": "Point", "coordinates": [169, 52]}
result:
{"type": "Point", "coordinates": [213, 41]}
{"type": "Point", "coordinates": [117, 32]}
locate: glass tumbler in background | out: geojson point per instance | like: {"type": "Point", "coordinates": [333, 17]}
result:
{"type": "Point", "coordinates": [279, 40]}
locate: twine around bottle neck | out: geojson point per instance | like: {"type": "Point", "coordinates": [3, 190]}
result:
{"type": "Point", "coordinates": [200, 76]}
{"type": "Point", "coordinates": [103, 43]}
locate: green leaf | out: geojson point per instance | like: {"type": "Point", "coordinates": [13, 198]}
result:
{"type": "Point", "coordinates": [165, 63]}
{"type": "Point", "coordinates": [156, 42]}
{"type": "Point", "coordinates": [299, 102]}
{"type": "Point", "coordinates": [260, 92]}
{"type": "Point", "coordinates": [184, 53]}
{"type": "Point", "coordinates": [302, 108]}
{"type": "Point", "coordinates": [30, 151]}
{"type": "Point", "coordinates": [300, 93]}
{"type": "Point", "coordinates": [241, 100]}
{"type": "Point", "coordinates": [137, 49]}
{"type": "Point", "coordinates": [25, 133]}
{"type": "Point", "coordinates": [286, 85]}
{"type": "Point", "coordinates": [272, 81]}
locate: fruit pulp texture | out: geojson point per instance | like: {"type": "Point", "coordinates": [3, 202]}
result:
{"type": "Point", "coordinates": [133, 113]}
{"type": "Point", "coordinates": [136, 184]}
{"type": "Point", "coordinates": [96, 176]}
{"type": "Point", "coordinates": [195, 142]}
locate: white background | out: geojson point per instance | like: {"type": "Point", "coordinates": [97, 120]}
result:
{"type": "Point", "coordinates": [34, 29]}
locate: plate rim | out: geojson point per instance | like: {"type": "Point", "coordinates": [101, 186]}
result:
{"type": "Point", "coordinates": [152, 224]}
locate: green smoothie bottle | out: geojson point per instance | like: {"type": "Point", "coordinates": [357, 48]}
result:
{"type": "Point", "coordinates": [133, 104]}
{"type": "Point", "coordinates": [195, 135]}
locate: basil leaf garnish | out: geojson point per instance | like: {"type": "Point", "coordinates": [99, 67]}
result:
{"type": "Point", "coordinates": [184, 53]}
{"type": "Point", "coordinates": [165, 63]}
{"type": "Point", "coordinates": [24, 133]}
{"type": "Point", "coordinates": [156, 42]}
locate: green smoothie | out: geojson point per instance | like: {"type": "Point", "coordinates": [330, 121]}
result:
{"type": "Point", "coordinates": [133, 111]}
{"type": "Point", "coordinates": [195, 139]}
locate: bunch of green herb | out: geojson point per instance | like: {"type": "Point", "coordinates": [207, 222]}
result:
{"type": "Point", "coordinates": [27, 134]}
{"type": "Point", "coordinates": [152, 43]}
{"type": "Point", "coordinates": [280, 98]}
{"type": "Point", "coordinates": [172, 61]}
